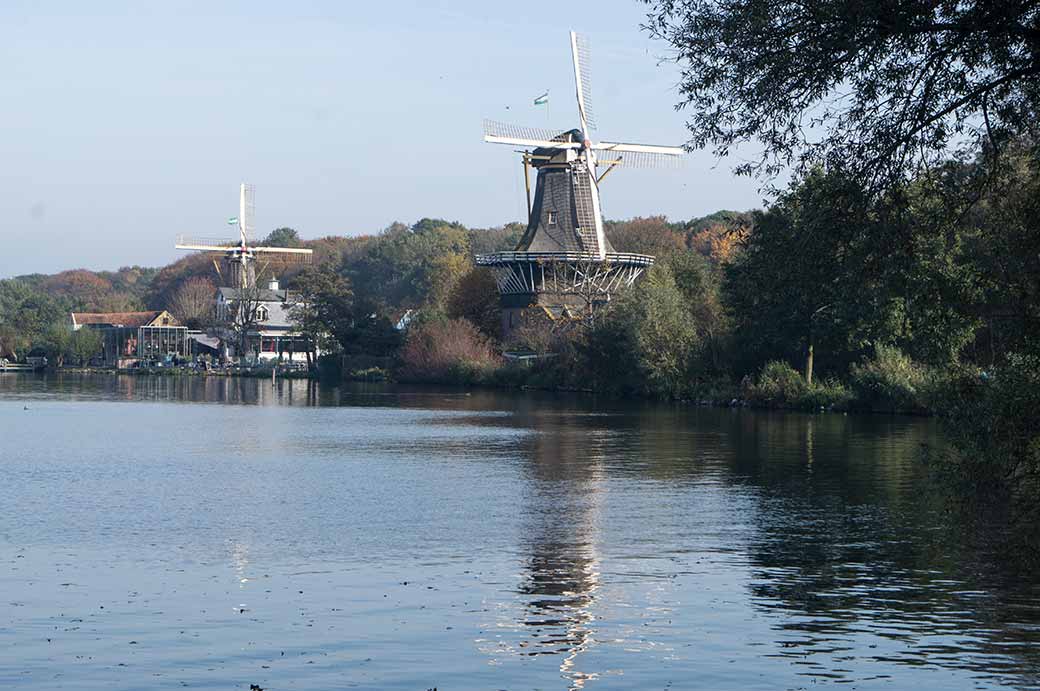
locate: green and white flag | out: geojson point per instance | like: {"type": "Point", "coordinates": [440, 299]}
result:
{"type": "Point", "coordinates": [542, 100]}
{"type": "Point", "coordinates": [233, 221]}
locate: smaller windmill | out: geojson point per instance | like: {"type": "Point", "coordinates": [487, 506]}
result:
{"type": "Point", "coordinates": [240, 257]}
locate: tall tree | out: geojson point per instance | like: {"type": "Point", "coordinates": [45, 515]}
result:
{"type": "Point", "coordinates": [194, 302]}
{"type": "Point", "coordinates": [12, 343]}
{"type": "Point", "coordinates": [241, 317]}
{"type": "Point", "coordinates": [652, 235]}
{"type": "Point", "coordinates": [475, 298]}
{"type": "Point", "coordinates": [701, 288]}
{"type": "Point", "coordinates": [84, 344]}
{"type": "Point", "coordinates": [441, 277]}
{"type": "Point", "coordinates": [282, 237]}
{"type": "Point", "coordinates": [875, 86]}
{"type": "Point", "coordinates": [1000, 237]}
{"type": "Point", "coordinates": [398, 269]}
{"type": "Point", "coordinates": [326, 310]}
{"type": "Point", "coordinates": [55, 340]}
{"type": "Point", "coordinates": [806, 280]}
{"type": "Point", "coordinates": [28, 310]}
{"type": "Point", "coordinates": [645, 342]}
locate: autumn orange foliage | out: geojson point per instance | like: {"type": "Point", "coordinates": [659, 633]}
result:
{"type": "Point", "coordinates": [718, 243]}
{"type": "Point", "coordinates": [450, 350]}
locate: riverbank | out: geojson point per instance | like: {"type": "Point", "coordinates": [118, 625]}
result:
{"type": "Point", "coordinates": [778, 387]}
{"type": "Point", "coordinates": [250, 372]}
{"type": "Point", "coordinates": [885, 388]}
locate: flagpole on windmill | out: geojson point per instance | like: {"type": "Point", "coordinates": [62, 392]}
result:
{"type": "Point", "coordinates": [542, 100]}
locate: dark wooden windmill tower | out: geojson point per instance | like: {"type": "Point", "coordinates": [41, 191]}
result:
{"type": "Point", "coordinates": [564, 265]}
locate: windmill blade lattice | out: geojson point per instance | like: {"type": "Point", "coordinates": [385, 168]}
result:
{"type": "Point", "coordinates": [581, 44]}
{"type": "Point", "coordinates": [638, 159]}
{"type": "Point", "coordinates": [493, 128]}
{"type": "Point", "coordinates": [247, 212]}
{"type": "Point", "coordinates": [194, 242]}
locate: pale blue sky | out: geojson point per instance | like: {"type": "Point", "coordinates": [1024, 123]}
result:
{"type": "Point", "coordinates": [125, 124]}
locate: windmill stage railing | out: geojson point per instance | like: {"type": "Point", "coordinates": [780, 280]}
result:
{"type": "Point", "coordinates": [548, 257]}
{"type": "Point", "coordinates": [564, 273]}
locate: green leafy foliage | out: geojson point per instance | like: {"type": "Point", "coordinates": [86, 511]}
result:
{"type": "Point", "coordinates": [83, 345]}
{"type": "Point", "coordinates": [326, 312]}
{"type": "Point", "coordinates": [645, 343]}
{"type": "Point", "coordinates": [889, 381]}
{"type": "Point", "coordinates": [884, 85]}
{"type": "Point", "coordinates": [808, 277]}
{"type": "Point", "coordinates": [55, 341]}
{"type": "Point", "coordinates": [778, 382]}
{"type": "Point", "coordinates": [282, 237]}
{"type": "Point", "coordinates": [26, 311]}
{"type": "Point", "coordinates": [780, 385]}
{"type": "Point", "coordinates": [475, 298]}
{"type": "Point", "coordinates": [993, 419]}
{"type": "Point", "coordinates": [396, 271]}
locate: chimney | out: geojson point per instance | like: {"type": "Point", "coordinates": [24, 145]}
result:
{"type": "Point", "coordinates": [272, 284]}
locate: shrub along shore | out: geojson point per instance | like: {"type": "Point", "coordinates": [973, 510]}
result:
{"type": "Point", "coordinates": [887, 382]}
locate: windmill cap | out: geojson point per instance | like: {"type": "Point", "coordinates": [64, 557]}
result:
{"type": "Point", "coordinates": [570, 136]}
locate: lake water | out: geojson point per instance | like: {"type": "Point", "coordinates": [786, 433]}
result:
{"type": "Point", "coordinates": [215, 533]}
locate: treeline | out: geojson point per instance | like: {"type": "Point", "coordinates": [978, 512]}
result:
{"type": "Point", "coordinates": [409, 303]}
{"type": "Point", "coordinates": [401, 268]}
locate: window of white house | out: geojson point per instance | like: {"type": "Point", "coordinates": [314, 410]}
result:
{"type": "Point", "coordinates": [552, 218]}
{"type": "Point", "coordinates": [261, 313]}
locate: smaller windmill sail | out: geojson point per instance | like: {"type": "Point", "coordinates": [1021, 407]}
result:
{"type": "Point", "coordinates": [247, 212]}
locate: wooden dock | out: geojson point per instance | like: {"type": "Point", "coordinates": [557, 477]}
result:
{"type": "Point", "coordinates": [13, 367]}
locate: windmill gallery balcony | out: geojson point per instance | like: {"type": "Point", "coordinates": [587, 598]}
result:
{"type": "Point", "coordinates": [526, 274]}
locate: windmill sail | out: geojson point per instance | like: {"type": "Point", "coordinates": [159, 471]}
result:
{"type": "Point", "coordinates": [638, 155]}
{"type": "Point", "coordinates": [586, 211]}
{"type": "Point", "coordinates": [247, 212]}
{"type": "Point", "coordinates": [580, 57]}
{"type": "Point", "coordinates": [493, 128]}
{"type": "Point", "coordinates": [527, 137]}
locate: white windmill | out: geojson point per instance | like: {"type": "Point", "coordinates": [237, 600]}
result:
{"type": "Point", "coordinates": [564, 252]}
{"type": "Point", "coordinates": [241, 256]}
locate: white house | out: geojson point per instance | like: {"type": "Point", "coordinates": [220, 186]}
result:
{"type": "Point", "coordinates": [274, 336]}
